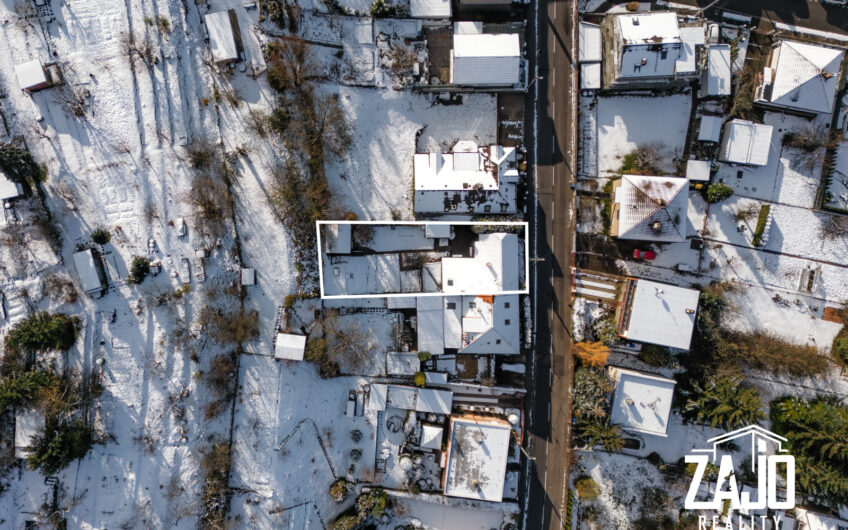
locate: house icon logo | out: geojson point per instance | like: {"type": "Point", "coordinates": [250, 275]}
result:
{"type": "Point", "coordinates": [767, 457]}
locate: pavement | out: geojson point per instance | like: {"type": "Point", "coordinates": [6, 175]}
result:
{"type": "Point", "coordinates": [803, 13]}
{"type": "Point", "coordinates": [554, 94]}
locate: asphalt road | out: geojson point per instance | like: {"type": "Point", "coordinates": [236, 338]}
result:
{"type": "Point", "coordinates": [805, 13]}
{"type": "Point", "coordinates": [554, 155]}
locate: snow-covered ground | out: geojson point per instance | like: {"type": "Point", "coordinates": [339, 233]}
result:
{"type": "Point", "coordinates": [627, 122]}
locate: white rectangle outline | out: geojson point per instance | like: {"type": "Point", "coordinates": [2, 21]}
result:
{"type": "Point", "coordinates": [523, 224]}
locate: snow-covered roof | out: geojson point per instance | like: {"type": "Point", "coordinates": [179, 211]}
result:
{"type": "Point", "coordinates": [651, 208]}
{"type": "Point", "coordinates": [486, 59]}
{"type": "Point", "coordinates": [339, 238]}
{"type": "Point", "coordinates": [477, 455]}
{"type": "Point", "coordinates": [402, 363]}
{"type": "Point", "coordinates": [806, 76]}
{"type": "Point", "coordinates": [431, 437]}
{"type": "Point", "coordinates": [430, 8]}
{"type": "Point", "coordinates": [222, 40]}
{"type": "Point", "coordinates": [590, 76]}
{"type": "Point", "coordinates": [658, 313]}
{"type": "Point", "coordinates": [31, 74]}
{"type": "Point", "coordinates": [469, 324]}
{"type": "Point", "coordinates": [437, 231]}
{"type": "Point", "coordinates": [818, 521]}
{"type": "Point", "coordinates": [650, 45]}
{"type": "Point", "coordinates": [653, 28]}
{"type": "Point", "coordinates": [377, 397]}
{"type": "Point", "coordinates": [467, 27]}
{"type": "Point", "coordinates": [690, 36]}
{"type": "Point", "coordinates": [433, 400]}
{"type": "Point", "coordinates": [642, 402]}
{"type": "Point", "coordinates": [698, 170]}
{"type": "Point", "coordinates": [590, 49]}
{"type": "Point", "coordinates": [710, 130]}
{"type": "Point", "coordinates": [493, 269]}
{"type": "Point", "coordinates": [248, 276]}
{"type": "Point", "coordinates": [8, 188]}
{"type": "Point", "coordinates": [87, 271]}
{"type": "Point", "coordinates": [466, 180]}
{"type": "Point", "coordinates": [716, 80]}
{"type": "Point", "coordinates": [745, 142]}
{"type": "Point", "coordinates": [290, 347]}
{"type": "Point", "coordinates": [436, 378]}
{"type": "Point", "coordinates": [28, 423]}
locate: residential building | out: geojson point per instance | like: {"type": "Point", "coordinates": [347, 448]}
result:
{"type": "Point", "coordinates": [381, 396]}
{"type": "Point", "coordinates": [745, 142]}
{"type": "Point", "coordinates": [645, 47]}
{"type": "Point", "coordinates": [477, 453]}
{"type": "Point", "coordinates": [642, 402]}
{"type": "Point", "coordinates": [224, 36]}
{"type": "Point", "coordinates": [658, 313]}
{"type": "Point", "coordinates": [493, 268]}
{"type": "Point", "coordinates": [468, 180]}
{"type": "Point", "coordinates": [650, 208]}
{"type": "Point", "coordinates": [486, 60]}
{"type": "Point", "coordinates": [469, 325]}
{"type": "Point", "coordinates": [801, 77]}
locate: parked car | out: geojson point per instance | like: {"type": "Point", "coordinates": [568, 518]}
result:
{"type": "Point", "coordinates": [644, 254]}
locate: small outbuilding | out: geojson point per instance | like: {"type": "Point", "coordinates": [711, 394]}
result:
{"type": "Point", "coordinates": [33, 76]}
{"type": "Point", "coordinates": [438, 9]}
{"type": "Point", "coordinates": [745, 142]}
{"type": "Point", "coordinates": [431, 437]}
{"type": "Point", "coordinates": [486, 59]}
{"type": "Point", "coordinates": [248, 276]}
{"type": "Point", "coordinates": [290, 347]}
{"type": "Point", "coordinates": [710, 129]}
{"type": "Point", "coordinates": [90, 271]}
{"type": "Point", "coordinates": [698, 170]}
{"type": "Point", "coordinates": [9, 189]}
{"type": "Point", "coordinates": [224, 36]}
{"type": "Point", "coordinates": [715, 79]}
{"type": "Point", "coordinates": [28, 423]}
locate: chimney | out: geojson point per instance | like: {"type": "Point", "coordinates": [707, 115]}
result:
{"type": "Point", "coordinates": [635, 21]}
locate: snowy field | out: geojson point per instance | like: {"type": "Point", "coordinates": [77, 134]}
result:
{"type": "Point", "coordinates": [627, 122]}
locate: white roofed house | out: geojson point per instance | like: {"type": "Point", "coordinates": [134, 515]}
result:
{"type": "Point", "coordinates": [495, 267]}
{"type": "Point", "coordinates": [645, 47]}
{"type": "Point", "coordinates": [801, 77]}
{"type": "Point", "coordinates": [224, 36]}
{"type": "Point", "coordinates": [658, 313]}
{"type": "Point", "coordinates": [745, 142]}
{"type": "Point", "coordinates": [9, 189]}
{"type": "Point", "coordinates": [477, 453]}
{"type": "Point", "coordinates": [642, 402]}
{"type": "Point", "coordinates": [469, 325]}
{"type": "Point", "coordinates": [650, 208]}
{"type": "Point", "coordinates": [486, 60]}
{"type": "Point", "coordinates": [466, 181]}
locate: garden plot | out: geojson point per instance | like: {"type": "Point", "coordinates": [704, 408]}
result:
{"type": "Point", "coordinates": [791, 175]}
{"type": "Point", "coordinates": [630, 489]}
{"type": "Point", "coordinates": [374, 181]}
{"type": "Point", "coordinates": [291, 441]}
{"type": "Point", "coordinates": [627, 122]}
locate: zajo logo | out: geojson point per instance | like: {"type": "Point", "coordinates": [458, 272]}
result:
{"type": "Point", "coordinates": [764, 466]}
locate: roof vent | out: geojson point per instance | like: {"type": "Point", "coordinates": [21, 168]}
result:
{"type": "Point", "coordinates": [656, 226]}
{"type": "Point", "coordinates": [635, 21]}
{"type": "Point", "coordinates": [690, 311]}
{"type": "Point", "coordinates": [644, 61]}
{"type": "Point", "coordinates": [629, 402]}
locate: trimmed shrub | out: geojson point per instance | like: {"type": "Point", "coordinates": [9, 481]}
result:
{"type": "Point", "coordinates": [587, 488]}
{"type": "Point", "coordinates": [420, 379]}
{"type": "Point", "coordinates": [718, 192]}
{"type": "Point", "coordinates": [424, 356]}
{"type": "Point", "coordinates": [339, 490]}
{"type": "Point", "coordinates": [761, 224]}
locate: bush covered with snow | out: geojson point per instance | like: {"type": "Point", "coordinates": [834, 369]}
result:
{"type": "Point", "coordinates": [139, 269]}
{"type": "Point", "coordinates": [718, 192]}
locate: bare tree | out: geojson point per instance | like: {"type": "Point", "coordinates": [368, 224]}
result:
{"type": "Point", "coordinates": [347, 344]}
{"type": "Point", "coordinates": [834, 227]}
